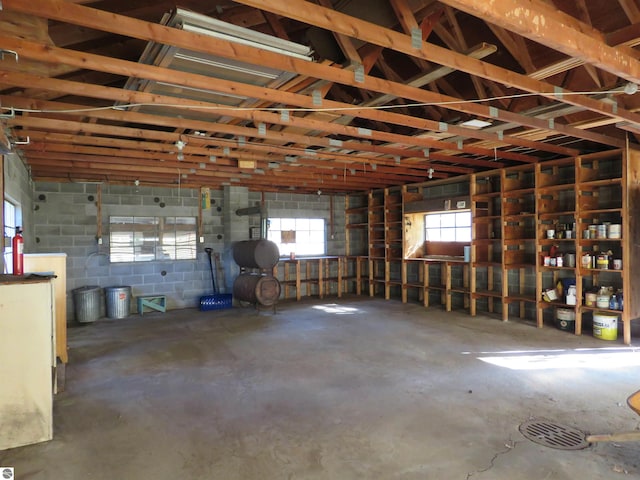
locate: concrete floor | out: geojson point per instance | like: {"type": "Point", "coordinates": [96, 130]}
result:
{"type": "Point", "coordinates": [336, 389]}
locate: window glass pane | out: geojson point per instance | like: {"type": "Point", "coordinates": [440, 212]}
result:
{"type": "Point", "coordinates": [448, 226]}
{"type": "Point", "coordinates": [448, 235]}
{"type": "Point", "coordinates": [10, 221]}
{"type": "Point", "coordinates": [301, 236]}
{"type": "Point", "coordinates": [288, 223]}
{"type": "Point", "coordinates": [463, 219]}
{"type": "Point", "coordinates": [316, 224]}
{"type": "Point", "coordinates": [432, 221]}
{"type": "Point", "coordinates": [463, 234]}
{"type": "Point", "coordinates": [448, 220]}
{"type": "Point", "coordinates": [143, 239]}
{"type": "Point", "coordinates": [433, 235]}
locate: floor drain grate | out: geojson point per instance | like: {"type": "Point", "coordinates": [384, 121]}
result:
{"type": "Point", "coordinates": [554, 435]}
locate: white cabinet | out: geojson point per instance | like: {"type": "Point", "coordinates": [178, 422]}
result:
{"type": "Point", "coordinates": [27, 361]}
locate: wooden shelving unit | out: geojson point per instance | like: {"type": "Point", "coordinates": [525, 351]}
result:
{"type": "Point", "coordinates": [486, 241]}
{"type": "Point", "coordinates": [518, 239]}
{"type": "Point", "coordinates": [355, 270]}
{"type": "Point", "coordinates": [608, 194]}
{"type": "Point", "coordinates": [514, 260]}
{"type": "Point", "coordinates": [414, 279]}
{"type": "Point", "coordinates": [394, 242]}
{"type": "Point", "coordinates": [556, 193]}
{"type": "Point", "coordinates": [377, 263]}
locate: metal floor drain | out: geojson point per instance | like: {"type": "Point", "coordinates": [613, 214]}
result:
{"type": "Point", "coordinates": [554, 435]}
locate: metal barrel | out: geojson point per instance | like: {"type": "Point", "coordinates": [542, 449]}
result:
{"type": "Point", "coordinates": [255, 288]}
{"type": "Point", "coordinates": [118, 301]}
{"type": "Point", "coordinates": [260, 253]}
{"type": "Point", "coordinates": [86, 303]}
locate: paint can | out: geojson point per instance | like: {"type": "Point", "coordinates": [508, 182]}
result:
{"type": "Point", "coordinates": [590, 299]}
{"type": "Point", "coordinates": [566, 319]}
{"type": "Point", "coordinates": [605, 327]}
{"type": "Point", "coordinates": [601, 231]}
{"type": "Point", "coordinates": [602, 262]}
{"type": "Point", "coordinates": [614, 231]}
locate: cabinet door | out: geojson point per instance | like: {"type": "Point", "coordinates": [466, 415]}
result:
{"type": "Point", "coordinates": [26, 354]}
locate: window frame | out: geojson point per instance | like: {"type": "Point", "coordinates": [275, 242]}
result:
{"type": "Point", "coordinates": [149, 239]}
{"type": "Point", "coordinates": [461, 230]}
{"type": "Point", "coordinates": [11, 221]}
{"type": "Point", "coordinates": [304, 237]}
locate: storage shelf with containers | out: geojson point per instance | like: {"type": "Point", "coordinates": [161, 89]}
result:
{"type": "Point", "coordinates": [605, 242]}
{"type": "Point", "coordinates": [547, 242]}
{"type": "Point", "coordinates": [556, 246]}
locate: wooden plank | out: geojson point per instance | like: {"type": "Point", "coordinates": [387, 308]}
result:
{"type": "Point", "coordinates": [128, 26]}
{"type": "Point", "coordinates": [550, 26]}
{"type": "Point", "coordinates": [160, 74]}
{"type": "Point", "coordinates": [319, 16]}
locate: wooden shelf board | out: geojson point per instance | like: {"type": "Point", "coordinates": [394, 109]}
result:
{"type": "Point", "coordinates": [560, 187]}
{"type": "Point", "coordinates": [601, 182]}
{"type": "Point", "coordinates": [519, 298]}
{"type": "Point", "coordinates": [563, 213]}
{"type": "Point", "coordinates": [518, 266]}
{"type": "Point", "coordinates": [487, 293]}
{"type": "Point", "coordinates": [488, 264]}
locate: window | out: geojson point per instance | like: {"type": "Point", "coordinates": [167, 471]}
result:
{"type": "Point", "coordinates": [301, 236]}
{"type": "Point", "coordinates": [11, 212]}
{"type": "Point", "coordinates": [448, 226]}
{"type": "Point", "coordinates": [143, 239]}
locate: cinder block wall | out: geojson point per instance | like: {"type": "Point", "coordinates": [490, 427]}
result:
{"type": "Point", "coordinates": [65, 220]}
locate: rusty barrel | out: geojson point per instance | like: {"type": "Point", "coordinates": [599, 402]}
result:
{"type": "Point", "coordinates": [260, 253]}
{"type": "Point", "coordinates": [256, 288]}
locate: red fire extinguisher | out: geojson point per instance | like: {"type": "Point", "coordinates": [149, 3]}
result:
{"type": "Point", "coordinates": [18, 253]}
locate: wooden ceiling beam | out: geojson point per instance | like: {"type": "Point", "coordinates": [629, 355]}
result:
{"type": "Point", "coordinates": [319, 16]}
{"type": "Point", "coordinates": [631, 10]}
{"type": "Point", "coordinates": [126, 26]}
{"type": "Point", "coordinates": [199, 81]}
{"type": "Point", "coordinates": [344, 42]}
{"type": "Point", "coordinates": [545, 24]}
{"type": "Point", "coordinates": [515, 45]}
{"type": "Point", "coordinates": [408, 23]}
{"type": "Point", "coordinates": [230, 166]}
{"type": "Point", "coordinates": [462, 46]}
{"type": "Point", "coordinates": [217, 147]}
{"type": "Point", "coordinates": [145, 134]}
{"type": "Point", "coordinates": [78, 164]}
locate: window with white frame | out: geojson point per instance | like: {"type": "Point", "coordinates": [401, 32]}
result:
{"type": "Point", "coordinates": [144, 239]}
{"type": "Point", "coordinates": [448, 226]}
{"type": "Point", "coordinates": [11, 219]}
{"type": "Point", "coordinates": [300, 236]}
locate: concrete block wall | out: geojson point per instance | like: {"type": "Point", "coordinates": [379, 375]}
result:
{"type": "Point", "coordinates": [64, 219]}
{"type": "Point", "coordinates": [444, 190]}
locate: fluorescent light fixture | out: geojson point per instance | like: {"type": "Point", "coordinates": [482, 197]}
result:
{"type": "Point", "coordinates": [475, 123]}
{"type": "Point", "coordinates": [185, 60]}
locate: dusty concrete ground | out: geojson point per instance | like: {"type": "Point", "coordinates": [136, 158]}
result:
{"type": "Point", "coordinates": [335, 389]}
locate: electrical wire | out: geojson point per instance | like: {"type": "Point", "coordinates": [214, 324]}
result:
{"type": "Point", "coordinates": [561, 93]}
